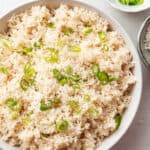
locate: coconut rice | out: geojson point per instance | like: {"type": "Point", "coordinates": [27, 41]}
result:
{"type": "Point", "coordinates": [65, 79]}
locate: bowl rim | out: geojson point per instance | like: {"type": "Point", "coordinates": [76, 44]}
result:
{"type": "Point", "coordinates": [130, 115]}
{"type": "Point", "coordinates": [124, 9]}
{"type": "Point", "coordinates": [141, 33]}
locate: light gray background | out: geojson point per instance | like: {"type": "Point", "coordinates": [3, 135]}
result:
{"type": "Point", "coordinates": [138, 135]}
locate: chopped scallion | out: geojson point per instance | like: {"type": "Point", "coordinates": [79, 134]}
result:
{"type": "Point", "coordinates": [4, 70]}
{"type": "Point", "coordinates": [45, 105]}
{"type": "Point", "coordinates": [75, 48]}
{"type": "Point", "coordinates": [74, 105]}
{"type": "Point", "coordinates": [105, 47]}
{"type": "Point", "coordinates": [51, 24]}
{"type": "Point", "coordinates": [118, 119]}
{"type": "Point", "coordinates": [102, 35]}
{"type": "Point", "coordinates": [62, 126]}
{"type": "Point", "coordinates": [87, 30]}
{"type": "Point", "coordinates": [13, 104]}
{"type": "Point", "coordinates": [68, 31]}
{"type": "Point", "coordinates": [93, 112]}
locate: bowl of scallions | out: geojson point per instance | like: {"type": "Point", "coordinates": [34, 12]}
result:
{"type": "Point", "coordinates": [130, 6]}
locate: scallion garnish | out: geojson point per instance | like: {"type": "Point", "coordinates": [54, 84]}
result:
{"type": "Point", "coordinates": [74, 105]}
{"type": "Point", "coordinates": [118, 119]}
{"type": "Point", "coordinates": [3, 70]}
{"type": "Point", "coordinates": [102, 35]}
{"type": "Point", "coordinates": [68, 31]}
{"type": "Point", "coordinates": [87, 30]}
{"type": "Point", "coordinates": [53, 57]}
{"type": "Point", "coordinates": [68, 70]}
{"type": "Point", "coordinates": [75, 48]}
{"type": "Point", "coordinates": [105, 47]}
{"type": "Point", "coordinates": [27, 120]}
{"type": "Point", "coordinates": [5, 43]}
{"type": "Point", "coordinates": [45, 105]}
{"type": "Point", "coordinates": [14, 115]}
{"type": "Point", "coordinates": [24, 84]}
{"type": "Point", "coordinates": [93, 112]}
{"type": "Point", "coordinates": [62, 126]}
{"type": "Point", "coordinates": [13, 104]}
{"type": "Point", "coordinates": [82, 148]}
{"type": "Point", "coordinates": [102, 76]}
{"type": "Point", "coordinates": [38, 44]}
{"type": "Point", "coordinates": [87, 97]}
{"type": "Point", "coordinates": [29, 71]}
{"type": "Point", "coordinates": [51, 24]}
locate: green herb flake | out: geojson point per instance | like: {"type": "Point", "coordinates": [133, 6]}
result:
{"type": "Point", "coordinates": [27, 120]}
{"type": "Point", "coordinates": [68, 31]}
{"type": "Point", "coordinates": [74, 105]}
{"type": "Point", "coordinates": [4, 70]}
{"type": "Point", "coordinates": [38, 44]}
{"type": "Point", "coordinates": [93, 112]}
{"type": "Point", "coordinates": [105, 47]}
{"type": "Point", "coordinates": [13, 104]}
{"type": "Point", "coordinates": [51, 24]}
{"type": "Point", "coordinates": [69, 70]}
{"type": "Point", "coordinates": [118, 119]}
{"type": "Point", "coordinates": [102, 35]}
{"type": "Point", "coordinates": [15, 115]}
{"type": "Point", "coordinates": [24, 84]}
{"type": "Point", "coordinates": [45, 105]}
{"type": "Point", "coordinates": [131, 2]}
{"type": "Point", "coordinates": [75, 49]}
{"type": "Point", "coordinates": [62, 126]}
{"type": "Point", "coordinates": [87, 30]}
{"type": "Point", "coordinates": [87, 97]}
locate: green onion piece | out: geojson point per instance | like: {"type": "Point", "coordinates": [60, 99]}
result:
{"type": "Point", "coordinates": [103, 77]}
{"type": "Point", "coordinates": [24, 84]}
{"type": "Point", "coordinates": [5, 43]}
{"type": "Point", "coordinates": [93, 112]}
{"type": "Point", "coordinates": [102, 35]}
{"type": "Point", "coordinates": [54, 51]}
{"type": "Point", "coordinates": [52, 59]}
{"type": "Point", "coordinates": [95, 69]}
{"type": "Point", "coordinates": [76, 86]}
{"type": "Point", "coordinates": [13, 104]}
{"type": "Point", "coordinates": [105, 47]}
{"type": "Point", "coordinates": [27, 120]}
{"type": "Point", "coordinates": [45, 135]}
{"type": "Point", "coordinates": [56, 72]}
{"type": "Point", "coordinates": [131, 2]}
{"type": "Point", "coordinates": [75, 48]}
{"type": "Point", "coordinates": [60, 43]}
{"type": "Point", "coordinates": [27, 49]}
{"type": "Point", "coordinates": [63, 81]}
{"type": "Point", "coordinates": [62, 126]}
{"type": "Point", "coordinates": [87, 97]}
{"type": "Point", "coordinates": [15, 115]}
{"type": "Point", "coordinates": [87, 30]}
{"type": "Point", "coordinates": [45, 105]}
{"type": "Point", "coordinates": [51, 24]}
{"type": "Point", "coordinates": [56, 101]}
{"type": "Point", "coordinates": [76, 78]}
{"type": "Point", "coordinates": [29, 71]}
{"type": "Point", "coordinates": [68, 70]}
{"type": "Point", "coordinates": [54, 56]}
{"type": "Point", "coordinates": [74, 105]}
{"type": "Point", "coordinates": [82, 148]}
{"type": "Point", "coordinates": [118, 119]}
{"type": "Point", "coordinates": [110, 78]}
{"type": "Point", "coordinates": [3, 70]}
{"type": "Point", "coordinates": [68, 31]}
{"type": "Point", "coordinates": [38, 44]}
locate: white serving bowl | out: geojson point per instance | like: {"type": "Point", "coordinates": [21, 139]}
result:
{"type": "Point", "coordinates": [130, 9]}
{"type": "Point", "coordinates": [136, 93]}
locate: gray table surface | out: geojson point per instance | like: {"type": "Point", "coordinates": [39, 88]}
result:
{"type": "Point", "coordinates": [138, 135]}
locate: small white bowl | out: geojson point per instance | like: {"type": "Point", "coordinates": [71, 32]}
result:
{"type": "Point", "coordinates": [129, 9]}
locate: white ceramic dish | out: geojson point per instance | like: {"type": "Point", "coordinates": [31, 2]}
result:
{"type": "Point", "coordinates": [136, 94]}
{"type": "Point", "coordinates": [130, 9]}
